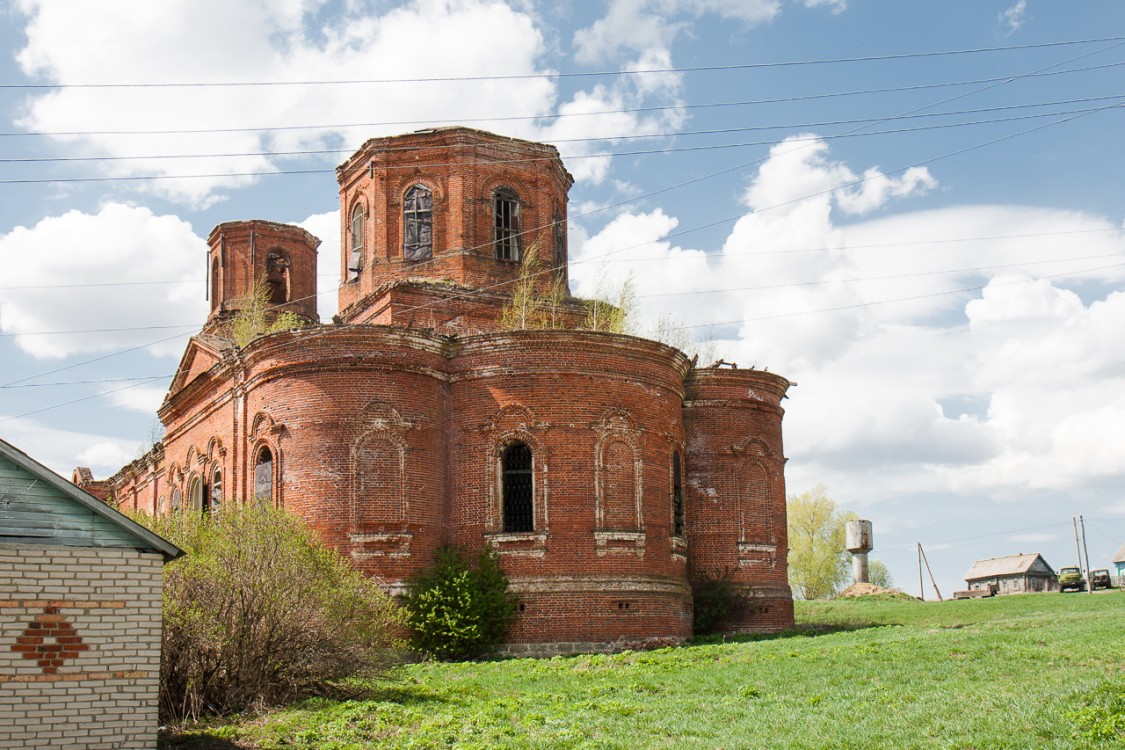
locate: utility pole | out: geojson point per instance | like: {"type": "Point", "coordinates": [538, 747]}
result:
{"type": "Point", "coordinates": [1077, 549]}
{"type": "Point", "coordinates": [922, 552]}
{"type": "Point", "coordinates": [921, 585]}
{"type": "Point", "coordinates": [1089, 579]}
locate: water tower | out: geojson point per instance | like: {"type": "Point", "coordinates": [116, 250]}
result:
{"type": "Point", "coordinates": [858, 542]}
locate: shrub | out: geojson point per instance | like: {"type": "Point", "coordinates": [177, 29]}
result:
{"type": "Point", "coordinates": [259, 613]}
{"type": "Point", "coordinates": [713, 599]}
{"type": "Point", "coordinates": [457, 610]}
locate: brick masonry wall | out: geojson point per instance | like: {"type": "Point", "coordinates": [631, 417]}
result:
{"type": "Point", "coordinates": [79, 647]}
{"type": "Point", "coordinates": [387, 431]}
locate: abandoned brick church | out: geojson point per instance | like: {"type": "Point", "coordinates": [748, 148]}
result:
{"type": "Point", "coordinates": [606, 470]}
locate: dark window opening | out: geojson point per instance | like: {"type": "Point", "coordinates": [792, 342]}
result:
{"type": "Point", "coordinates": [214, 283]}
{"type": "Point", "coordinates": [175, 500]}
{"type": "Point", "coordinates": [418, 224]}
{"type": "Point", "coordinates": [506, 224]}
{"type": "Point", "coordinates": [277, 277]}
{"type": "Point", "coordinates": [560, 243]}
{"type": "Point", "coordinates": [263, 476]}
{"type": "Point", "coordinates": [518, 513]}
{"type": "Point", "coordinates": [355, 244]}
{"type": "Point", "coordinates": [677, 497]}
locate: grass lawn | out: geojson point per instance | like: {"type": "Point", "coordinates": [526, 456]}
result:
{"type": "Point", "coordinates": [1032, 671]}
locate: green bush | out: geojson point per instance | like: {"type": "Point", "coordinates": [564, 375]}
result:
{"type": "Point", "coordinates": [713, 599]}
{"type": "Point", "coordinates": [457, 610]}
{"type": "Point", "coordinates": [260, 613]}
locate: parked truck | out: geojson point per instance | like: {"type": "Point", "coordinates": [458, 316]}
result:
{"type": "Point", "coordinates": [1071, 578]}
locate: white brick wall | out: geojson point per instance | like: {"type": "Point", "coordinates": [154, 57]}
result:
{"type": "Point", "coordinates": [103, 696]}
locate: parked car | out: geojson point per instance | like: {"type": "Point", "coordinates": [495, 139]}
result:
{"type": "Point", "coordinates": [1099, 579]}
{"type": "Point", "coordinates": [1071, 578]}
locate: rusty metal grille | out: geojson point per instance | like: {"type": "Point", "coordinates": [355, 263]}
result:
{"type": "Point", "coordinates": [506, 230]}
{"type": "Point", "coordinates": [418, 224]}
{"type": "Point", "coordinates": [518, 512]}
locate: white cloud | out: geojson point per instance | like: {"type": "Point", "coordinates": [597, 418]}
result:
{"type": "Point", "coordinates": [836, 6]}
{"type": "Point", "coordinates": [883, 321]}
{"type": "Point", "coordinates": [62, 450]}
{"type": "Point", "coordinates": [82, 253]}
{"type": "Point", "coordinates": [1013, 17]}
{"type": "Point", "coordinates": [640, 25]}
{"type": "Point", "coordinates": [104, 454]}
{"type": "Point", "coordinates": [326, 227]}
{"type": "Point", "coordinates": [144, 398]}
{"type": "Point", "coordinates": [213, 41]}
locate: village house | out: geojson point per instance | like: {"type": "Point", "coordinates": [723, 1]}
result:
{"type": "Point", "coordinates": [1014, 574]}
{"type": "Point", "coordinates": [607, 471]}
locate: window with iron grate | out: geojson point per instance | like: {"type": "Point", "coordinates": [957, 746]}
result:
{"type": "Point", "coordinates": [506, 224]}
{"type": "Point", "coordinates": [677, 496]}
{"type": "Point", "coordinates": [518, 507]}
{"type": "Point", "coordinates": [418, 224]}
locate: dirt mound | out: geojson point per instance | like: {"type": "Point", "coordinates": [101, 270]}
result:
{"type": "Point", "coordinates": [870, 589]}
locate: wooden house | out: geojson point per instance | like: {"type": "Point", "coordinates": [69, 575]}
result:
{"type": "Point", "coordinates": [1013, 574]}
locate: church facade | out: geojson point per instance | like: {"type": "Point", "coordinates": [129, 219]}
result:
{"type": "Point", "coordinates": [607, 471]}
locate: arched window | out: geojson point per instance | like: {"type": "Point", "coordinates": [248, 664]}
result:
{"type": "Point", "coordinates": [418, 224]}
{"type": "Point", "coordinates": [175, 500]}
{"type": "Point", "coordinates": [263, 476]}
{"type": "Point", "coordinates": [195, 495]}
{"type": "Point", "coordinates": [216, 489]}
{"type": "Point", "coordinates": [506, 224]}
{"type": "Point", "coordinates": [277, 276]}
{"type": "Point", "coordinates": [518, 508]}
{"type": "Point", "coordinates": [355, 244]}
{"type": "Point", "coordinates": [677, 496]}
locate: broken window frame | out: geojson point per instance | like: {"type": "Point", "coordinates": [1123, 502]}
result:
{"type": "Point", "coordinates": [418, 223]}
{"type": "Point", "coordinates": [216, 489]}
{"type": "Point", "coordinates": [278, 278]}
{"type": "Point", "coordinates": [518, 488]}
{"type": "Point", "coordinates": [355, 242]}
{"type": "Point", "coordinates": [506, 224]}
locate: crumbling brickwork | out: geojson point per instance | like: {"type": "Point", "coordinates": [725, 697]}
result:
{"type": "Point", "coordinates": [604, 469]}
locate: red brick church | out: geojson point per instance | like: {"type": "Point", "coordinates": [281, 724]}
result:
{"type": "Point", "coordinates": [606, 470]}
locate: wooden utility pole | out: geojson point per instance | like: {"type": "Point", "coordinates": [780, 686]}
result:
{"type": "Point", "coordinates": [1089, 578]}
{"type": "Point", "coordinates": [921, 585]}
{"type": "Point", "coordinates": [926, 560]}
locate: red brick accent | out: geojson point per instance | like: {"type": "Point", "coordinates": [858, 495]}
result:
{"type": "Point", "coordinates": [33, 643]}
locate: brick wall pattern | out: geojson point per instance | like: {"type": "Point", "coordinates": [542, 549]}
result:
{"type": "Point", "coordinates": [79, 647]}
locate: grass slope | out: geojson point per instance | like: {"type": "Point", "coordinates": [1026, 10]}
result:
{"type": "Point", "coordinates": [1034, 671]}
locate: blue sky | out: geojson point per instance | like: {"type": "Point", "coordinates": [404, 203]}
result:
{"type": "Point", "coordinates": [911, 209]}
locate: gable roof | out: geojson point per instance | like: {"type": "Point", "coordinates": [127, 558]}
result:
{"type": "Point", "coordinates": [37, 506]}
{"type": "Point", "coordinates": [1120, 556]}
{"type": "Point", "coordinates": [1006, 566]}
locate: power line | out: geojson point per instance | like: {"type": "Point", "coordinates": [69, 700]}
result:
{"type": "Point", "coordinates": [612, 137]}
{"type": "Point", "coordinates": [561, 75]}
{"type": "Point", "coordinates": [561, 115]}
{"type": "Point", "coordinates": [599, 155]}
{"type": "Point", "coordinates": [145, 378]}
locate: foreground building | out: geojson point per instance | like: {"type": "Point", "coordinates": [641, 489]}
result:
{"type": "Point", "coordinates": [80, 592]}
{"type": "Point", "coordinates": [607, 471]}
